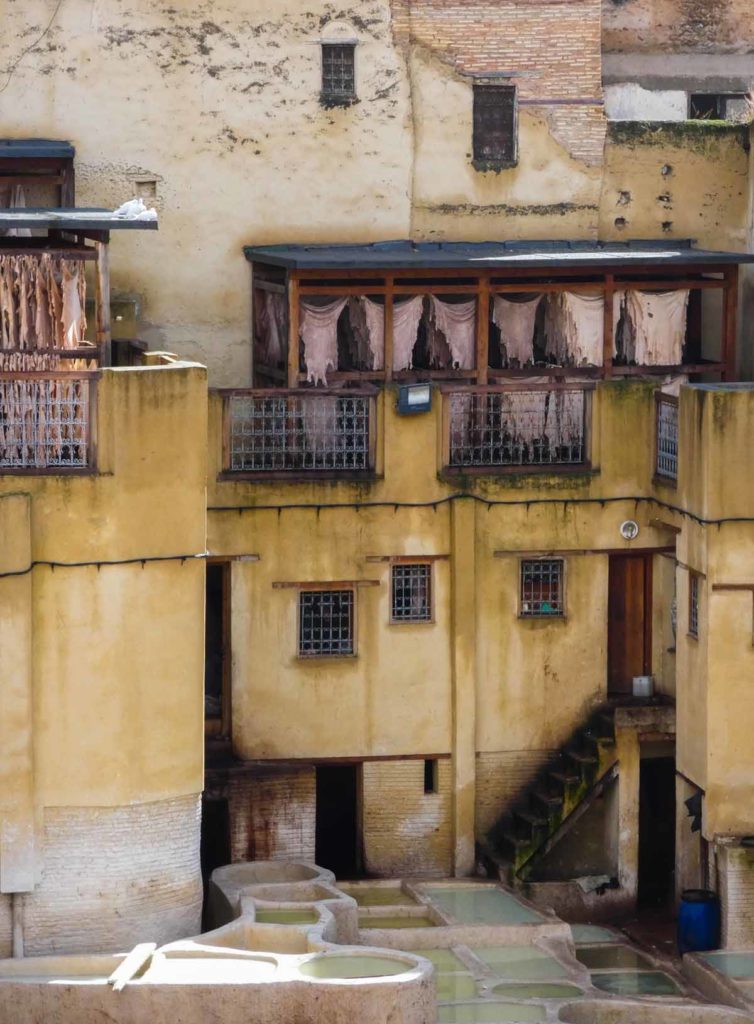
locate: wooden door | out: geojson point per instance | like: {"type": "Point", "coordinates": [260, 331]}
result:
{"type": "Point", "coordinates": [629, 636]}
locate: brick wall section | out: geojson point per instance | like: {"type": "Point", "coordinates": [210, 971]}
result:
{"type": "Point", "coordinates": [272, 814]}
{"type": "Point", "coordinates": [554, 45]}
{"type": "Point", "coordinates": [736, 886]}
{"type": "Point", "coordinates": [406, 832]}
{"type": "Point", "coordinates": [113, 877]}
{"type": "Point", "coordinates": [500, 778]}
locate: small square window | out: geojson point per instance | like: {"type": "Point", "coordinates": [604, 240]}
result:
{"type": "Point", "coordinates": [412, 592]}
{"type": "Point", "coordinates": [326, 619]}
{"type": "Point", "coordinates": [495, 142]}
{"type": "Point", "coordinates": [542, 587]}
{"type": "Point", "coordinates": [338, 73]}
{"type": "Point", "coordinates": [694, 604]}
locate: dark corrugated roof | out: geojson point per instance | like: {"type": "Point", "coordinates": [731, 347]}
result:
{"type": "Point", "coordinates": [18, 148]}
{"type": "Point", "coordinates": [402, 255]}
{"type": "Point", "coordinates": [71, 220]}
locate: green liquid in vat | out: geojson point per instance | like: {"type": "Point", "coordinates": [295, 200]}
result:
{"type": "Point", "coordinates": [379, 896]}
{"type": "Point", "coordinates": [445, 960]}
{"type": "Point", "coordinates": [734, 965]}
{"type": "Point", "coordinates": [598, 958]}
{"type": "Point", "coordinates": [636, 983]}
{"type": "Point", "coordinates": [451, 987]}
{"type": "Point", "coordinates": [538, 991]}
{"type": "Point", "coordinates": [491, 1013]}
{"type": "Point", "coordinates": [286, 917]}
{"type": "Point", "coordinates": [520, 963]}
{"type": "Point", "coordinates": [395, 922]}
{"type": "Point", "coordinates": [470, 905]}
{"type": "Point", "coordinates": [589, 933]}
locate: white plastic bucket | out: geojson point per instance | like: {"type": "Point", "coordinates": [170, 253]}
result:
{"type": "Point", "coordinates": [644, 686]}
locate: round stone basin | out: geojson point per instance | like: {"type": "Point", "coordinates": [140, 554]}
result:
{"type": "Point", "coordinates": [336, 966]}
{"type": "Point", "coordinates": [538, 991]}
{"type": "Point", "coordinates": [491, 1013]}
{"type": "Point", "coordinates": [403, 921]}
{"type": "Point", "coordinates": [636, 983]}
{"type": "Point", "coordinates": [46, 979]}
{"type": "Point", "coordinates": [286, 917]}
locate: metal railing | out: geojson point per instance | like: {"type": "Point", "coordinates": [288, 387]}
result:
{"type": "Point", "coordinates": [510, 428]}
{"type": "Point", "coordinates": [45, 422]}
{"type": "Point", "coordinates": [304, 431]}
{"type": "Point", "coordinates": [666, 444]}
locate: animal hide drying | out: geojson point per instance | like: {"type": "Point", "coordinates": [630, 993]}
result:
{"type": "Point", "coordinates": [319, 333]}
{"type": "Point", "coordinates": [516, 322]}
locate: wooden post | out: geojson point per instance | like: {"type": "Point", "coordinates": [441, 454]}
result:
{"type": "Point", "coordinates": [483, 329]}
{"type": "Point", "coordinates": [730, 323]}
{"type": "Point", "coordinates": [293, 326]}
{"type": "Point", "coordinates": [389, 304]}
{"type": "Point", "coordinates": [609, 332]}
{"type": "Point", "coordinates": [102, 301]}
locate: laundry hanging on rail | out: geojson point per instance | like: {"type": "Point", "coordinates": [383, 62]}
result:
{"type": "Point", "coordinates": [575, 329]}
{"type": "Point", "coordinates": [457, 323]}
{"type": "Point", "coordinates": [406, 317]}
{"type": "Point", "coordinates": [516, 322]}
{"type": "Point", "coordinates": [658, 325]}
{"type": "Point", "coordinates": [270, 328]}
{"type": "Point", "coordinates": [319, 332]}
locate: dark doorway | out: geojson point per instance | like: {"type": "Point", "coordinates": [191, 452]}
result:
{"type": "Point", "coordinates": [656, 831]}
{"type": "Point", "coordinates": [215, 838]}
{"type": "Point", "coordinates": [216, 650]}
{"type": "Point", "coordinates": [629, 621]}
{"type": "Point", "coordinates": [338, 840]}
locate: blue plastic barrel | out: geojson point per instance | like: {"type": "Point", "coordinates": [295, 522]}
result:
{"type": "Point", "coordinates": [698, 921]}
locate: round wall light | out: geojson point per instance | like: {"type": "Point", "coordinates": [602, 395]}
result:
{"type": "Point", "coordinates": [629, 530]}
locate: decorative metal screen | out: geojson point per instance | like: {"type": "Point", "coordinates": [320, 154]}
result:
{"type": "Point", "coordinates": [667, 437]}
{"type": "Point", "coordinates": [325, 623]}
{"type": "Point", "coordinates": [694, 604]}
{"type": "Point", "coordinates": [495, 128]}
{"type": "Point", "coordinates": [338, 72]}
{"type": "Point", "coordinates": [517, 428]}
{"type": "Point", "coordinates": [44, 424]}
{"type": "Point", "coordinates": [412, 592]}
{"type": "Point", "coordinates": [542, 587]}
{"type": "Point", "coordinates": [298, 433]}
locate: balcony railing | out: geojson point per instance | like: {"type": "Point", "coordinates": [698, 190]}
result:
{"type": "Point", "coordinates": [299, 432]}
{"type": "Point", "coordinates": [666, 450]}
{"type": "Point", "coordinates": [517, 428]}
{"type": "Point", "coordinates": [45, 422]}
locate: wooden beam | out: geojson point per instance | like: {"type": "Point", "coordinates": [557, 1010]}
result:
{"type": "Point", "coordinates": [406, 559]}
{"type": "Point", "coordinates": [730, 323]}
{"type": "Point", "coordinates": [102, 301]}
{"type": "Point", "coordinates": [329, 585]}
{"type": "Point", "coordinates": [483, 330]}
{"type": "Point", "coordinates": [293, 329]}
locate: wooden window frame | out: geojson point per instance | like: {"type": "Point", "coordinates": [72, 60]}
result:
{"type": "Point", "coordinates": [500, 161]}
{"type": "Point", "coordinates": [525, 616]}
{"type": "Point", "coordinates": [336, 99]}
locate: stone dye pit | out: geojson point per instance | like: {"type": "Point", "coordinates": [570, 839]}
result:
{"type": "Point", "coordinates": [287, 942]}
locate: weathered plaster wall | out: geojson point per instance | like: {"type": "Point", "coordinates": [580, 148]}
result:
{"type": "Point", "coordinates": [102, 670]}
{"type": "Point", "coordinates": [658, 26]}
{"type": "Point", "coordinates": [467, 686]}
{"type": "Point", "coordinates": [629, 101]}
{"type": "Point", "coordinates": [219, 103]}
{"type": "Point", "coordinates": [687, 180]}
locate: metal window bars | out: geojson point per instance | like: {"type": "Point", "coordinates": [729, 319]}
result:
{"type": "Point", "coordinates": [44, 423]}
{"type": "Point", "coordinates": [666, 452]}
{"type": "Point", "coordinates": [517, 428]}
{"type": "Point", "coordinates": [338, 72]}
{"type": "Point", "coordinates": [411, 592]}
{"type": "Point", "coordinates": [326, 620]}
{"type": "Point", "coordinates": [542, 587]}
{"type": "Point", "coordinates": [292, 433]}
{"type": "Point", "coordinates": [694, 604]}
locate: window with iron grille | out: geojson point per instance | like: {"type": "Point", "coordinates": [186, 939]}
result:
{"type": "Point", "coordinates": [542, 587]}
{"type": "Point", "coordinates": [666, 459]}
{"type": "Point", "coordinates": [45, 424]}
{"type": "Point", "coordinates": [412, 592]}
{"type": "Point", "coordinates": [338, 73]}
{"type": "Point", "coordinates": [326, 619]}
{"type": "Point", "coordinates": [495, 142]}
{"type": "Point", "coordinates": [694, 604]}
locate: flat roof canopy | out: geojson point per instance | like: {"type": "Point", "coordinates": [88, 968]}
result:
{"type": "Point", "coordinates": [43, 149]}
{"type": "Point", "coordinates": [79, 219]}
{"type": "Point", "coordinates": [406, 255]}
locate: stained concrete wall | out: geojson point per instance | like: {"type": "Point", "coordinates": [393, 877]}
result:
{"type": "Point", "coordinates": [662, 26]}
{"type": "Point", "coordinates": [102, 668]}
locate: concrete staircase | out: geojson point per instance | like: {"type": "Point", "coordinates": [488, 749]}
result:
{"type": "Point", "coordinates": [560, 793]}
